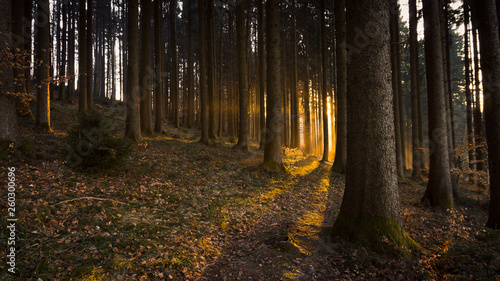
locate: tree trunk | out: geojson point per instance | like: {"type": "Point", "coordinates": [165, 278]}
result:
{"type": "Point", "coordinates": [487, 26]}
{"type": "Point", "coordinates": [9, 131]}
{"type": "Point", "coordinates": [190, 74]}
{"type": "Point", "coordinates": [324, 90]}
{"type": "Point", "coordinates": [241, 42]}
{"type": "Point", "coordinates": [262, 73]}
{"type": "Point", "coordinates": [132, 122]}
{"type": "Point", "coordinates": [294, 97]}
{"type": "Point", "coordinates": [89, 58]}
{"type": "Point", "coordinates": [203, 72]}
{"type": "Point", "coordinates": [395, 87]}
{"type": "Point", "coordinates": [416, 175]}
{"type": "Point", "coordinates": [82, 58]}
{"type": "Point", "coordinates": [43, 78]}
{"type": "Point", "coordinates": [158, 87]}
{"type": "Point", "coordinates": [370, 208]}
{"type": "Point", "coordinates": [272, 150]}
{"type": "Point", "coordinates": [438, 191]}
{"type": "Point", "coordinates": [307, 100]}
{"type": "Point", "coordinates": [468, 94]}
{"type": "Point", "coordinates": [174, 71]}
{"type": "Point", "coordinates": [340, 163]}
{"type": "Point", "coordinates": [212, 99]}
{"type": "Point", "coordinates": [146, 70]}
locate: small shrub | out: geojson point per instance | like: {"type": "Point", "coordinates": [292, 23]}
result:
{"type": "Point", "coordinates": [93, 143]}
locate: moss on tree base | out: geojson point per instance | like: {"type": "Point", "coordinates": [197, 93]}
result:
{"type": "Point", "coordinates": [383, 235]}
{"type": "Point", "coordinates": [271, 166]}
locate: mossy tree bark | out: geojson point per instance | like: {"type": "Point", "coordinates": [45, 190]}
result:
{"type": "Point", "coordinates": [241, 42]}
{"type": "Point", "coordinates": [490, 61]}
{"type": "Point", "coordinates": [272, 150]}
{"type": "Point", "coordinates": [146, 70]}
{"type": "Point", "coordinates": [439, 191]}
{"type": "Point", "coordinates": [132, 121]}
{"type": "Point", "coordinates": [340, 162]}
{"type": "Point", "coordinates": [43, 71]}
{"type": "Point", "coordinates": [370, 208]}
{"type": "Point", "coordinates": [203, 72]}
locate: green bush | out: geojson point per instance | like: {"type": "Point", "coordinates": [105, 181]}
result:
{"type": "Point", "coordinates": [93, 143]}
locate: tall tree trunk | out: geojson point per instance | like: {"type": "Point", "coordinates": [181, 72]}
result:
{"type": "Point", "coordinates": [340, 163]}
{"type": "Point", "coordinates": [132, 122]}
{"type": "Point", "coordinates": [416, 175]}
{"type": "Point", "coordinates": [294, 97]}
{"type": "Point", "coordinates": [272, 150]}
{"type": "Point", "coordinates": [158, 87]}
{"type": "Point", "coordinates": [190, 74]}
{"type": "Point", "coordinates": [28, 15]}
{"type": "Point", "coordinates": [394, 19]}
{"type": "Point", "coordinates": [43, 77]}
{"type": "Point", "coordinates": [370, 208]}
{"type": "Point", "coordinates": [90, 92]}
{"type": "Point", "coordinates": [203, 72]}
{"type": "Point", "coordinates": [146, 71]}
{"type": "Point", "coordinates": [241, 42]}
{"type": "Point", "coordinates": [62, 71]}
{"type": "Point", "coordinates": [468, 94]}
{"type": "Point", "coordinates": [478, 118]}
{"type": "Point", "coordinates": [174, 72]}
{"type": "Point", "coordinates": [262, 73]}
{"type": "Point", "coordinates": [82, 57]}
{"type": "Point", "coordinates": [307, 100]}
{"type": "Point", "coordinates": [324, 90]}
{"type": "Point", "coordinates": [18, 43]}
{"type": "Point", "coordinates": [9, 131]}
{"type": "Point", "coordinates": [438, 191]}
{"type": "Point", "coordinates": [211, 62]}
{"type": "Point", "coordinates": [490, 61]}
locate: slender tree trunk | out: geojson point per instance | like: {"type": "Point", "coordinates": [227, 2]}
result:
{"type": "Point", "coordinates": [395, 86]}
{"type": "Point", "coordinates": [487, 26]}
{"type": "Point", "coordinates": [203, 72]}
{"type": "Point", "coordinates": [468, 94]}
{"type": "Point", "coordinates": [212, 99]}
{"type": "Point", "coordinates": [18, 43]}
{"type": "Point", "coordinates": [146, 71]}
{"type": "Point", "coordinates": [190, 74]}
{"type": "Point", "coordinates": [272, 150]}
{"type": "Point", "coordinates": [89, 57]}
{"type": "Point", "coordinates": [174, 74]}
{"type": "Point", "coordinates": [439, 191]}
{"type": "Point", "coordinates": [478, 118]}
{"type": "Point", "coordinates": [324, 90]}
{"type": "Point", "coordinates": [43, 71]}
{"type": "Point", "coordinates": [416, 175]}
{"type": "Point", "coordinates": [132, 122]}
{"type": "Point", "coordinates": [340, 163]}
{"type": "Point", "coordinates": [307, 100]}
{"type": "Point", "coordinates": [82, 58]}
{"type": "Point", "coordinates": [262, 73]}
{"type": "Point", "coordinates": [294, 97]}
{"type": "Point", "coordinates": [241, 42]}
{"type": "Point", "coordinates": [370, 208]}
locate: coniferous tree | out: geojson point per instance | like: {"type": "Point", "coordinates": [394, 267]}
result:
{"type": "Point", "coordinates": [132, 122]}
{"type": "Point", "coordinates": [241, 43]}
{"type": "Point", "coordinates": [417, 175]}
{"type": "Point", "coordinates": [146, 70]}
{"type": "Point", "coordinates": [43, 70]}
{"type": "Point", "coordinates": [82, 57]}
{"type": "Point", "coordinates": [204, 118]}
{"type": "Point", "coordinates": [158, 86]}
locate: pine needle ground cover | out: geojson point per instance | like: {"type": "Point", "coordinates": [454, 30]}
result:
{"type": "Point", "coordinates": [180, 210]}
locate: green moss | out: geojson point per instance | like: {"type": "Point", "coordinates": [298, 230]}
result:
{"type": "Point", "coordinates": [383, 235]}
{"type": "Point", "coordinates": [272, 166]}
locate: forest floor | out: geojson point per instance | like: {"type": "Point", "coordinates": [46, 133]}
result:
{"type": "Point", "coordinates": [180, 210]}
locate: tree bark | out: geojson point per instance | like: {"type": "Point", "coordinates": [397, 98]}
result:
{"type": "Point", "coordinates": [190, 72]}
{"type": "Point", "coordinates": [146, 70]}
{"type": "Point", "coordinates": [340, 163]}
{"type": "Point", "coordinates": [211, 61]}
{"type": "Point", "coordinates": [324, 89]}
{"type": "Point", "coordinates": [370, 208]}
{"type": "Point", "coordinates": [416, 175]}
{"type": "Point", "coordinates": [438, 191]}
{"type": "Point", "coordinates": [262, 72]}
{"type": "Point", "coordinates": [174, 71]}
{"type": "Point", "coordinates": [241, 42]}
{"type": "Point", "coordinates": [89, 58]}
{"type": "Point", "coordinates": [272, 150]}
{"type": "Point", "coordinates": [490, 62]}
{"type": "Point", "coordinates": [82, 58]}
{"type": "Point", "coordinates": [132, 122]}
{"type": "Point", "coordinates": [203, 72]}
{"type": "Point", "coordinates": [468, 94]}
{"type": "Point", "coordinates": [158, 81]}
{"type": "Point", "coordinates": [9, 131]}
{"type": "Point", "coordinates": [43, 71]}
